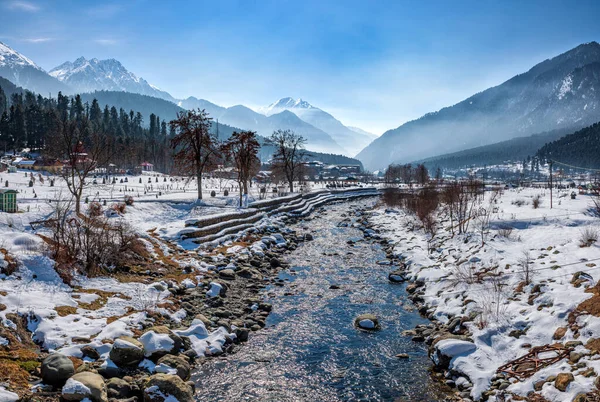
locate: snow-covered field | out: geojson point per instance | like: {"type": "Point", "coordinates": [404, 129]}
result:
{"type": "Point", "coordinates": [506, 316]}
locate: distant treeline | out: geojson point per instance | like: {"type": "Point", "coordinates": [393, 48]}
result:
{"type": "Point", "coordinates": [513, 150]}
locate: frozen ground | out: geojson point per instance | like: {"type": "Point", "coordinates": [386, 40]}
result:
{"type": "Point", "coordinates": [551, 237]}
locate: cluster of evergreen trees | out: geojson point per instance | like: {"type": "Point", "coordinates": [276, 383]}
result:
{"type": "Point", "coordinates": [32, 121]}
{"type": "Point", "coordinates": [28, 120]}
{"type": "Point", "coordinates": [581, 148]}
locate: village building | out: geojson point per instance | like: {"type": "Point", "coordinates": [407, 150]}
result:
{"type": "Point", "coordinates": [8, 200]}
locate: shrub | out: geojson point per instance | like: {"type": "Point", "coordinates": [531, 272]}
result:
{"type": "Point", "coordinates": [226, 193]}
{"type": "Point", "coordinates": [95, 209]}
{"type": "Point", "coordinates": [588, 237]}
{"type": "Point", "coordinates": [518, 203]}
{"type": "Point", "coordinates": [88, 244]}
{"type": "Point", "coordinates": [213, 193]}
{"type": "Point", "coordinates": [505, 231]}
{"type": "Point", "coordinates": [118, 207]}
{"type": "Point", "coordinates": [128, 200]}
{"type": "Point", "coordinates": [537, 201]}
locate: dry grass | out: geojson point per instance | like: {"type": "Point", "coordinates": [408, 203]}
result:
{"type": "Point", "coordinates": [101, 300]}
{"type": "Point", "coordinates": [64, 311]}
{"type": "Point", "coordinates": [14, 374]}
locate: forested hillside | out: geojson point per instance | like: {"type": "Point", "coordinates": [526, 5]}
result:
{"type": "Point", "coordinates": [581, 148]}
{"type": "Point", "coordinates": [514, 150]}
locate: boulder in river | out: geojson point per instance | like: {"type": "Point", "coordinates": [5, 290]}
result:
{"type": "Point", "coordinates": [367, 321]}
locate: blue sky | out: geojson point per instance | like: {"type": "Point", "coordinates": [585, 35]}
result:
{"type": "Point", "coordinates": [372, 64]}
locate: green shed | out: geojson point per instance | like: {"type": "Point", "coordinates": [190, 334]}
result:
{"type": "Point", "coordinates": [8, 200]}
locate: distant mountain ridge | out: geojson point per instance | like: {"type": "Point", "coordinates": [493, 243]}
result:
{"type": "Point", "coordinates": [246, 118]}
{"type": "Point", "coordinates": [557, 93]}
{"type": "Point", "coordinates": [84, 75]}
{"type": "Point", "coordinates": [323, 132]}
{"type": "Point", "coordinates": [353, 141]}
{"type": "Point", "coordinates": [23, 72]}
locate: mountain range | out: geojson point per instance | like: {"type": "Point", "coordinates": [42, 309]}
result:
{"type": "Point", "coordinates": [557, 94]}
{"type": "Point", "coordinates": [561, 92]}
{"type": "Point", "coordinates": [84, 75]}
{"type": "Point", "coordinates": [105, 78]}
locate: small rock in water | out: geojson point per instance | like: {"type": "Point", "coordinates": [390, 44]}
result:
{"type": "Point", "coordinates": [367, 321]}
{"type": "Point", "coordinates": [402, 356]}
{"type": "Point", "coordinates": [396, 277]}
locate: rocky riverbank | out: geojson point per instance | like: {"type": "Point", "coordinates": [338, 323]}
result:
{"type": "Point", "coordinates": [156, 361]}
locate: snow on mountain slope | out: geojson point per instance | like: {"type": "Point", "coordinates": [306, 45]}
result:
{"type": "Point", "coordinates": [10, 57]}
{"type": "Point", "coordinates": [353, 141]}
{"type": "Point", "coordinates": [23, 72]}
{"type": "Point", "coordinates": [110, 75]}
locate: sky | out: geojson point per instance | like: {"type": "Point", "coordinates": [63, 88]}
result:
{"type": "Point", "coordinates": [372, 64]}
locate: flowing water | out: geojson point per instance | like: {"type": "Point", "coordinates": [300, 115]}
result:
{"type": "Point", "coordinates": [310, 350]}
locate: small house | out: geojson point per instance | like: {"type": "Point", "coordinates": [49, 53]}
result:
{"type": "Point", "coordinates": [147, 167]}
{"type": "Point", "coordinates": [8, 200]}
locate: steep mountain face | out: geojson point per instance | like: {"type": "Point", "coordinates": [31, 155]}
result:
{"type": "Point", "coordinates": [23, 72]}
{"type": "Point", "coordinates": [109, 75]}
{"type": "Point", "coordinates": [353, 141]}
{"type": "Point", "coordinates": [557, 93]}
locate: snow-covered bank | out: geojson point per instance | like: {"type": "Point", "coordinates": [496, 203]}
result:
{"type": "Point", "coordinates": [483, 286]}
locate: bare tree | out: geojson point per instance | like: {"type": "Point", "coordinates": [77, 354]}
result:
{"type": "Point", "coordinates": [195, 148]}
{"type": "Point", "coordinates": [85, 150]}
{"type": "Point", "coordinates": [289, 154]}
{"type": "Point", "coordinates": [421, 174]}
{"type": "Point", "coordinates": [484, 213]}
{"type": "Point", "coordinates": [242, 150]}
{"type": "Point", "coordinates": [526, 263]}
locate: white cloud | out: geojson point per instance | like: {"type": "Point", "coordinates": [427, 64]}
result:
{"type": "Point", "coordinates": [23, 6]}
{"type": "Point", "coordinates": [38, 40]}
{"type": "Point", "coordinates": [106, 42]}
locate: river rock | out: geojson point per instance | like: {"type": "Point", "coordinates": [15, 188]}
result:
{"type": "Point", "coordinates": [396, 277]}
{"type": "Point", "coordinates": [169, 363]}
{"type": "Point", "coordinates": [159, 341]}
{"type": "Point", "coordinates": [85, 385]}
{"type": "Point", "coordinates": [227, 273]}
{"type": "Point", "coordinates": [56, 369]}
{"type": "Point", "coordinates": [563, 380]}
{"type": "Point", "coordinates": [367, 321]}
{"type": "Point", "coordinates": [120, 389]}
{"type": "Point", "coordinates": [126, 351]}
{"type": "Point", "coordinates": [90, 351]}
{"type": "Point", "coordinates": [166, 388]}
{"type": "Point", "coordinates": [443, 351]}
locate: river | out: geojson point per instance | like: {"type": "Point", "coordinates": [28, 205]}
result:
{"type": "Point", "coordinates": [310, 350]}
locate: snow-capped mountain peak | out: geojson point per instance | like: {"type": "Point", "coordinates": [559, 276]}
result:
{"type": "Point", "coordinates": [10, 57]}
{"type": "Point", "coordinates": [110, 75]}
{"type": "Point", "coordinates": [286, 104]}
